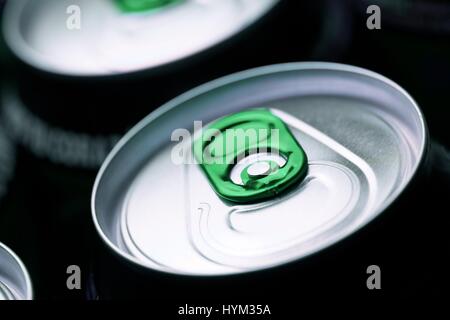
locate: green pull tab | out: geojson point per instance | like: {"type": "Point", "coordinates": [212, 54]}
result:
{"type": "Point", "coordinates": [130, 6]}
{"type": "Point", "coordinates": [250, 156]}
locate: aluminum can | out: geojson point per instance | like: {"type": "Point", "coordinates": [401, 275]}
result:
{"type": "Point", "coordinates": [344, 192]}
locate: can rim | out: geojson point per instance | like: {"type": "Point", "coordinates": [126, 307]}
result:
{"type": "Point", "coordinates": [239, 76]}
{"type": "Point", "coordinates": [23, 269]}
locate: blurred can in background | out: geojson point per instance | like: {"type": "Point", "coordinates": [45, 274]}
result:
{"type": "Point", "coordinates": [87, 70]}
{"type": "Point", "coordinates": [100, 59]}
{"type": "Point", "coordinates": [7, 174]}
{"type": "Point", "coordinates": [6, 147]}
{"type": "Point", "coordinates": [412, 48]}
{"type": "Point", "coordinates": [15, 283]}
{"type": "Point", "coordinates": [3, 50]}
{"type": "Point", "coordinates": [346, 191]}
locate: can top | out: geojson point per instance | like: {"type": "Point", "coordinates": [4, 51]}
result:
{"type": "Point", "coordinates": [113, 37]}
{"type": "Point", "coordinates": [349, 121]}
{"type": "Point", "coordinates": [15, 282]}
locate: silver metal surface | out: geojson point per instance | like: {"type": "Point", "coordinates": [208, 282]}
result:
{"type": "Point", "coordinates": [113, 42]}
{"type": "Point", "coordinates": [15, 283]}
{"type": "Point", "coordinates": [364, 137]}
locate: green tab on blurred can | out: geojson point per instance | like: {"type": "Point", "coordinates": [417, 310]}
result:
{"type": "Point", "coordinates": [143, 5]}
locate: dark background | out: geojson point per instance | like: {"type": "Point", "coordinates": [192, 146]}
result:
{"type": "Point", "coordinates": [45, 214]}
